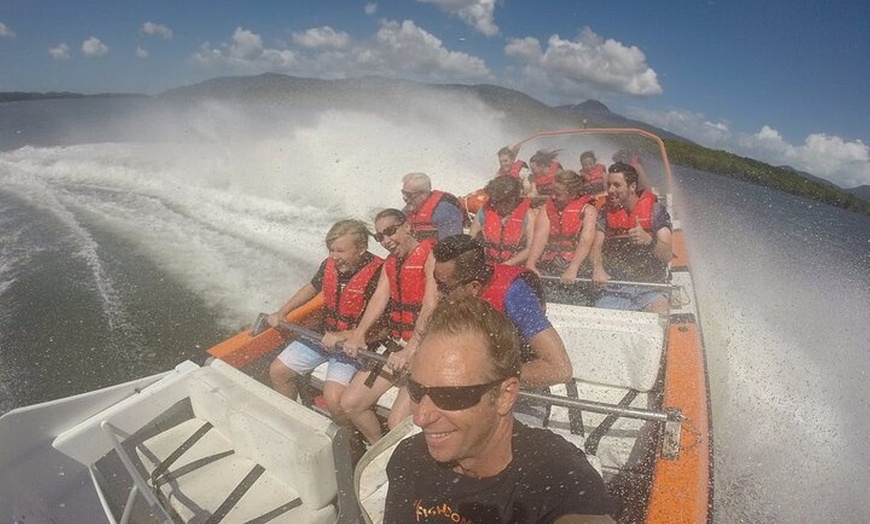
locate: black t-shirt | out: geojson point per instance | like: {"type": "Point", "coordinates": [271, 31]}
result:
{"type": "Point", "coordinates": [547, 478]}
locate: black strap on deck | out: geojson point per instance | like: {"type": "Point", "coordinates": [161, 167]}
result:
{"type": "Point", "coordinates": [277, 512]}
{"type": "Point", "coordinates": [598, 433]}
{"type": "Point", "coordinates": [163, 467]}
{"type": "Point", "coordinates": [236, 495]}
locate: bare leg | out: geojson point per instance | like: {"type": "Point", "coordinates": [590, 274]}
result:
{"type": "Point", "coordinates": [283, 379]}
{"type": "Point", "coordinates": [332, 393]}
{"type": "Point", "coordinates": [357, 401]}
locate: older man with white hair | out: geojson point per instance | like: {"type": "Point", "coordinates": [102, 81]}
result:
{"type": "Point", "coordinates": [433, 214]}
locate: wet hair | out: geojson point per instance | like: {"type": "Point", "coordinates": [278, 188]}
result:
{"type": "Point", "coordinates": [391, 212]}
{"type": "Point", "coordinates": [473, 315]}
{"type": "Point", "coordinates": [353, 227]}
{"type": "Point", "coordinates": [628, 171]}
{"type": "Point", "coordinates": [587, 154]}
{"type": "Point", "coordinates": [503, 188]}
{"type": "Point", "coordinates": [507, 151]}
{"type": "Point", "coordinates": [572, 181]}
{"type": "Point", "coordinates": [419, 181]}
{"type": "Point", "coordinates": [468, 254]}
{"type": "Point", "coordinates": [545, 157]}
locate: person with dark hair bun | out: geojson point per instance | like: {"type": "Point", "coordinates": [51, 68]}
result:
{"type": "Point", "coordinates": [506, 223]}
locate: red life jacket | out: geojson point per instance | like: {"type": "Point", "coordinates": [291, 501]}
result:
{"type": "Point", "coordinates": [623, 259]}
{"type": "Point", "coordinates": [565, 227]}
{"type": "Point", "coordinates": [514, 170]}
{"type": "Point", "coordinates": [502, 278]}
{"type": "Point", "coordinates": [503, 240]}
{"type": "Point", "coordinates": [619, 221]}
{"type": "Point", "coordinates": [544, 184]}
{"type": "Point", "coordinates": [421, 219]}
{"type": "Point", "coordinates": [407, 287]}
{"type": "Point", "coordinates": [343, 308]}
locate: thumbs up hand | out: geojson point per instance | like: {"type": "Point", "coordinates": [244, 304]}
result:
{"type": "Point", "coordinates": [638, 235]}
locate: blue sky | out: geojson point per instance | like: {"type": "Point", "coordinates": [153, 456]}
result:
{"type": "Point", "coordinates": [785, 82]}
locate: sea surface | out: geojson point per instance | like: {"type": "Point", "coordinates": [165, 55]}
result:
{"type": "Point", "coordinates": [136, 233]}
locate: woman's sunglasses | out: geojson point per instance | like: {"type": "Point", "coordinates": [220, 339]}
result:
{"type": "Point", "coordinates": [388, 232]}
{"type": "Point", "coordinates": [450, 398]}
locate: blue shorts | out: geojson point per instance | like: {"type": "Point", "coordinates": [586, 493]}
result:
{"type": "Point", "coordinates": [303, 358]}
{"type": "Point", "coordinates": [629, 298]}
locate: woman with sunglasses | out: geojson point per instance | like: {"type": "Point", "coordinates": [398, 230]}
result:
{"type": "Point", "coordinates": [473, 461]}
{"type": "Point", "coordinates": [407, 287]}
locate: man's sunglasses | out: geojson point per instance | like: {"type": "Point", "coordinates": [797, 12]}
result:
{"type": "Point", "coordinates": [388, 232]}
{"type": "Point", "coordinates": [450, 398]}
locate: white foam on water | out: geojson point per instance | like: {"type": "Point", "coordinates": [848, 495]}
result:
{"type": "Point", "coordinates": [239, 217]}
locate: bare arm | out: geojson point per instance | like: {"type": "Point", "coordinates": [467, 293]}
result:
{"type": "Point", "coordinates": [539, 240]}
{"type": "Point", "coordinates": [551, 364]}
{"type": "Point", "coordinates": [599, 275]}
{"type": "Point", "coordinates": [402, 359]}
{"type": "Point", "coordinates": [302, 296]}
{"type": "Point", "coordinates": [529, 233]}
{"type": "Point", "coordinates": [584, 244]}
{"type": "Point", "coordinates": [375, 308]}
{"type": "Point", "coordinates": [663, 250]}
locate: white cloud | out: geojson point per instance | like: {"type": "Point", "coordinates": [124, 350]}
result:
{"type": "Point", "coordinates": [397, 49]}
{"type": "Point", "coordinates": [371, 8]}
{"type": "Point", "coordinates": [141, 52]}
{"type": "Point", "coordinates": [843, 162]}
{"type": "Point", "coordinates": [94, 47]}
{"type": "Point", "coordinates": [589, 66]}
{"type": "Point", "coordinates": [161, 30]}
{"type": "Point", "coordinates": [322, 38]}
{"type": "Point", "coordinates": [479, 14]}
{"type": "Point", "coordinates": [59, 52]}
{"type": "Point", "coordinates": [6, 31]}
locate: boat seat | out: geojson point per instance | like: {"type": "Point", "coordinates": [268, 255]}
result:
{"type": "Point", "coordinates": [243, 453]}
{"type": "Point", "coordinates": [370, 477]}
{"type": "Point", "coordinates": [616, 356]}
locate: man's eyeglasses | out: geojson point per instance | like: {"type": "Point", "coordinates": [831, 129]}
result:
{"type": "Point", "coordinates": [445, 289]}
{"type": "Point", "coordinates": [450, 398]}
{"type": "Point", "coordinates": [388, 231]}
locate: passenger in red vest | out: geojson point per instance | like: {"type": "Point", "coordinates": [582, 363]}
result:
{"type": "Point", "coordinates": [632, 244]}
{"type": "Point", "coordinates": [461, 270]}
{"type": "Point", "coordinates": [506, 223]}
{"type": "Point", "coordinates": [565, 230]}
{"type": "Point", "coordinates": [405, 290]}
{"type": "Point", "coordinates": [509, 165]}
{"type": "Point", "coordinates": [347, 279]}
{"type": "Point", "coordinates": [592, 172]}
{"type": "Point", "coordinates": [544, 168]}
{"type": "Point", "coordinates": [432, 214]}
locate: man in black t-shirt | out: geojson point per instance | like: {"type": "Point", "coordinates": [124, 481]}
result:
{"type": "Point", "coordinates": [473, 462]}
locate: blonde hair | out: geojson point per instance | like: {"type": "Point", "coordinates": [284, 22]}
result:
{"type": "Point", "coordinates": [351, 226]}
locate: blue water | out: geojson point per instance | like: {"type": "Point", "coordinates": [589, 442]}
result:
{"type": "Point", "coordinates": [134, 233]}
